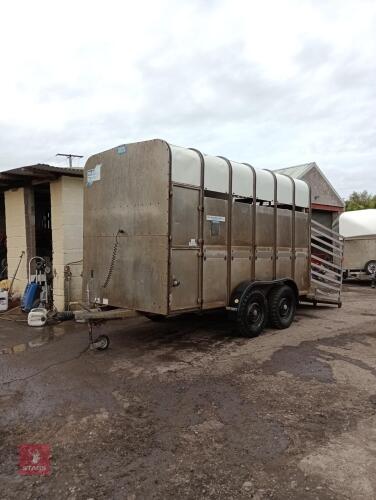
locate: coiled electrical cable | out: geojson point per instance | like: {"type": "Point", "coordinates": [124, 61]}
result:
{"type": "Point", "coordinates": [113, 259]}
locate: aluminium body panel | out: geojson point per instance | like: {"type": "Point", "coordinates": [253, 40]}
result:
{"type": "Point", "coordinates": [285, 262]}
{"type": "Point", "coordinates": [265, 242]}
{"type": "Point", "coordinates": [127, 190]}
{"type": "Point", "coordinates": [242, 247]}
{"type": "Point", "coordinates": [215, 252]}
{"type": "Point", "coordinates": [302, 254]}
{"type": "Point", "coordinates": [358, 251]}
{"type": "Point", "coordinates": [185, 250]}
{"type": "Point", "coordinates": [184, 290]}
{"type": "Point", "coordinates": [185, 216]}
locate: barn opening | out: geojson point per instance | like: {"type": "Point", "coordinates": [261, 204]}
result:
{"type": "Point", "coordinates": [43, 228]}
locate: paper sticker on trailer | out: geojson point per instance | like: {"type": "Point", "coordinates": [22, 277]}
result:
{"type": "Point", "coordinates": [93, 175]}
{"type": "Point", "coordinates": [216, 218]}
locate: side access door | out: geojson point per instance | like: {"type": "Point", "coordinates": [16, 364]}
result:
{"type": "Point", "coordinates": [185, 249]}
{"type": "Point", "coordinates": [215, 251]}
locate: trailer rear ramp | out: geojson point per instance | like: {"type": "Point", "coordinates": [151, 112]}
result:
{"type": "Point", "coordinates": [326, 265]}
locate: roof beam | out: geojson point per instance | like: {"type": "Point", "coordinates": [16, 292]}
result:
{"type": "Point", "coordinates": [10, 177]}
{"type": "Point", "coordinates": [12, 185]}
{"type": "Point", "coordinates": [36, 182]}
{"type": "Point", "coordinates": [44, 174]}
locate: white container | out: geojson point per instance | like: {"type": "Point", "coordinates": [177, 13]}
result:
{"type": "Point", "coordinates": [37, 317]}
{"type": "Point", "coordinates": [3, 300]}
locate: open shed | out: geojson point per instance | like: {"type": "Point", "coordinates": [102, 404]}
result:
{"type": "Point", "coordinates": [327, 204]}
{"type": "Point", "coordinates": [41, 210]}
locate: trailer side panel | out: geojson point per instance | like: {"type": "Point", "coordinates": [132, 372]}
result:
{"type": "Point", "coordinates": [358, 251]}
{"type": "Point", "coordinates": [126, 229]}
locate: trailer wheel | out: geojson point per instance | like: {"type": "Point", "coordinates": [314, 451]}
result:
{"type": "Point", "coordinates": [282, 306]}
{"type": "Point", "coordinates": [252, 313]}
{"type": "Point", "coordinates": [370, 267]}
{"type": "Point", "coordinates": [102, 343]}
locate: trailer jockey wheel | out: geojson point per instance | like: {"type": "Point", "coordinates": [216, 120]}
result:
{"type": "Point", "coordinates": [101, 343]}
{"type": "Point", "coordinates": [282, 306]}
{"type": "Point", "coordinates": [252, 313]}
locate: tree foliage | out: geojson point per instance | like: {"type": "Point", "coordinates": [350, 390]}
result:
{"type": "Point", "coordinates": [360, 201]}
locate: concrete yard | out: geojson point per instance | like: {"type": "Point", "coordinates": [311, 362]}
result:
{"type": "Point", "coordinates": [185, 409]}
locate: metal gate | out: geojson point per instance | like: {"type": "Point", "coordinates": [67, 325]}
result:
{"type": "Point", "coordinates": [326, 264]}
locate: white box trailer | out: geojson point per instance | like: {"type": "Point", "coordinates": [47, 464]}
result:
{"type": "Point", "coordinates": [358, 229]}
{"type": "Point", "coordinates": [169, 230]}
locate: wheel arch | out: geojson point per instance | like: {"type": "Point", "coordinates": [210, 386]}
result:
{"type": "Point", "coordinates": [290, 282]}
{"type": "Point", "coordinates": [266, 286]}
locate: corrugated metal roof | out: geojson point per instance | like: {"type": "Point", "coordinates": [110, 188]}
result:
{"type": "Point", "coordinates": [297, 171]}
{"type": "Point", "coordinates": [43, 167]}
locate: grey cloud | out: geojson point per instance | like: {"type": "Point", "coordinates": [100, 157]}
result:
{"type": "Point", "coordinates": [246, 115]}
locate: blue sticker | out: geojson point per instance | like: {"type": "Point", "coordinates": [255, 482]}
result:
{"type": "Point", "coordinates": [121, 150]}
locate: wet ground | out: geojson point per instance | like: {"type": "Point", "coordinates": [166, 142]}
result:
{"type": "Point", "coordinates": [185, 409]}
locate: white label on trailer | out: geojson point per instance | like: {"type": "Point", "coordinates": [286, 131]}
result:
{"type": "Point", "coordinates": [192, 242]}
{"type": "Point", "coordinates": [216, 218]}
{"type": "Point", "coordinates": [93, 175]}
{"type": "Point", "coordinates": [98, 300]}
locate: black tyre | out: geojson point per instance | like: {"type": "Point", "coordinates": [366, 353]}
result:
{"type": "Point", "coordinates": [282, 306]}
{"type": "Point", "coordinates": [370, 267]}
{"type": "Point", "coordinates": [252, 313]}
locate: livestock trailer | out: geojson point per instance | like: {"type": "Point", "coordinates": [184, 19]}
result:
{"type": "Point", "coordinates": [169, 230]}
{"type": "Point", "coordinates": [358, 229]}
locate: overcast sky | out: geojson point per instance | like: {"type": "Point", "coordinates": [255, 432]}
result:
{"type": "Point", "coordinates": [274, 83]}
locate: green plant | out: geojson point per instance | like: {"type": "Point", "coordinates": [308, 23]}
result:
{"type": "Point", "coordinates": [360, 201]}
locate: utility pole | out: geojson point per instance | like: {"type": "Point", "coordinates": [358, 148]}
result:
{"type": "Point", "coordinates": [69, 156]}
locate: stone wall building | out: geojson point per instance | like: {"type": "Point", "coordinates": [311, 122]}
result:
{"type": "Point", "coordinates": [327, 204]}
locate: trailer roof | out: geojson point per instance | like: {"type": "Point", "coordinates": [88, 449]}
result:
{"type": "Point", "coordinates": [358, 223]}
{"type": "Point", "coordinates": [186, 169]}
